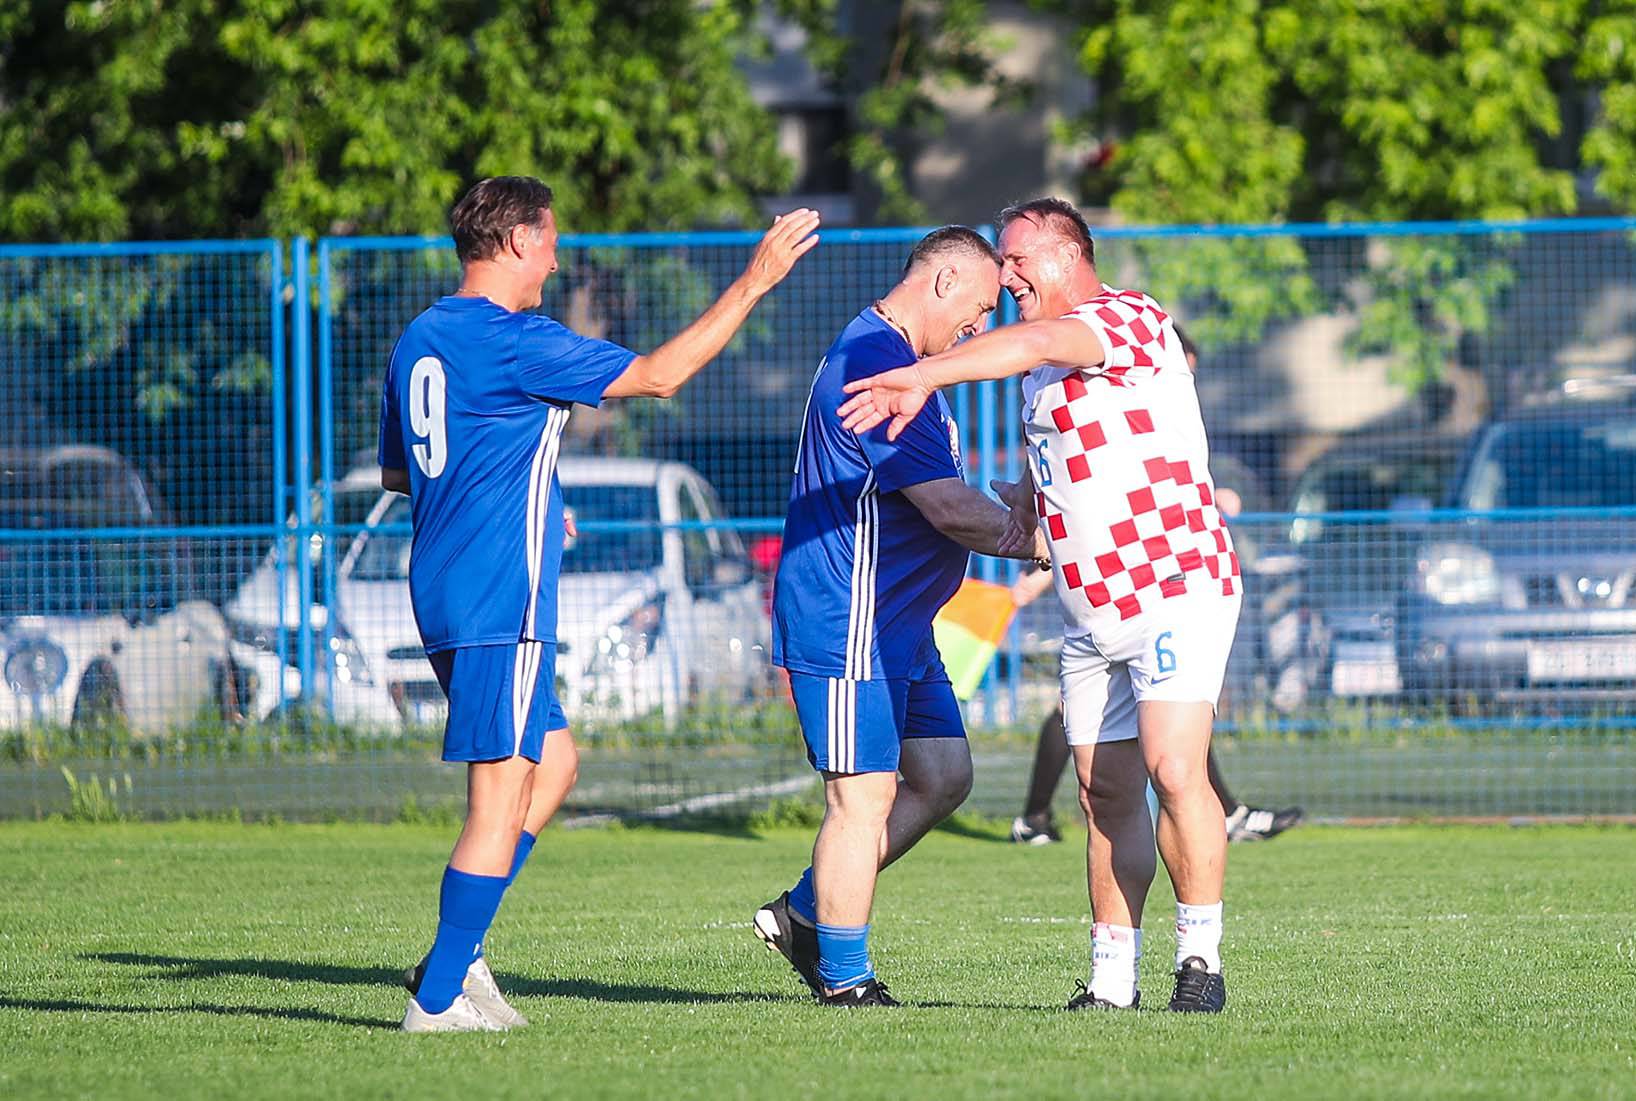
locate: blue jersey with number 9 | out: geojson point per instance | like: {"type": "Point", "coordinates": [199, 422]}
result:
{"type": "Point", "coordinates": [474, 407]}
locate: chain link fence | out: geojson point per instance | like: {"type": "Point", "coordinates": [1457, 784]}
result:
{"type": "Point", "coordinates": [1426, 434]}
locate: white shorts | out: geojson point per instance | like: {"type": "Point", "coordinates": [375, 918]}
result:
{"type": "Point", "coordinates": [1176, 652]}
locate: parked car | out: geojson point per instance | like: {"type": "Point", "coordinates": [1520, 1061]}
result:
{"type": "Point", "coordinates": [655, 610]}
{"type": "Point", "coordinates": [81, 485]}
{"type": "Point", "coordinates": [1356, 554]}
{"type": "Point", "coordinates": [258, 632]}
{"type": "Point", "coordinates": [99, 631]}
{"type": "Point", "coordinates": [1530, 605]}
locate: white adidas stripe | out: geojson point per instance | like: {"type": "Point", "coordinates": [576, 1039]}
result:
{"type": "Point", "coordinates": [539, 506]}
{"type": "Point", "coordinates": [860, 625]}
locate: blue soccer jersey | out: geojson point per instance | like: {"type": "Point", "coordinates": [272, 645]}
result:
{"type": "Point", "coordinates": [475, 403]}
{"type": "Point", "coordinates": [863, 572]}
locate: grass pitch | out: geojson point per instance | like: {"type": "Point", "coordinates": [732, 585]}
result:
{"type": "Point", "coordinates": [211, 960]}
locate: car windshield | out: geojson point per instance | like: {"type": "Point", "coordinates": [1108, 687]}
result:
{"type": "Point", "coordinates": [1365, 484]}
{"type": "Point", "coordinates": [1554, 465]}
{"type": "Point", "coordinates": [626, 550]}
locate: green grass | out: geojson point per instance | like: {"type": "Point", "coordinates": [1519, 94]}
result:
{"type": "Point", "coordinates": [211, 960]}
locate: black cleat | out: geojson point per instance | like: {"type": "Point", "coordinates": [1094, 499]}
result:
{"type": "Point", "coordinates": [1249, 823]}
{"type": "Point", "coordinates": [868, 992]}
{"type": "Point", "coordinates": [1026, 830]}
{"type": "Point", "coordinates": [1084, 999]}
{"type": "Point", "coordinates": [1198, 991]}
{"type": "Point", "coordinates": [412, 976]}
{"type": "Point", "coordinates": [776, 925]}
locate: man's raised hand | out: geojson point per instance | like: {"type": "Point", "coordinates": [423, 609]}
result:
{"type": "Point", "coordinates": [895, 395]}
{"type": "Point", "coordinates": [789, 238]}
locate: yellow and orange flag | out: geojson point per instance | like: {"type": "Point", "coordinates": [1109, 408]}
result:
{"type": "Point", "coordinates": [968, 631]}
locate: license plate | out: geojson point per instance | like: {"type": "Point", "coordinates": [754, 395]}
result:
{"type": "Point", "coordinates": [1364, 669]}
{"type": "Point", "coordinates": [1580, 661]}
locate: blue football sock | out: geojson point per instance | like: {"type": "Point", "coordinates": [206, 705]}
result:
{"type": "Point", "coordinates": [525, 845]}
{"type": "Point", "coordinates": [803, 900]}
{"type": "Point", "coordinates": [467, 905]}
{"type": "Point", "coordinates": [843, 955]}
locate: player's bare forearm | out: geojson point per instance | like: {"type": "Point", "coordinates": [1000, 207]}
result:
{"type": "Point", "coordinates": [395, 480]}
{"type": "Point", "coordinates": [666, 369]}
{"type": "Point", "coordinates": [964, 515]}
{"type": "Point", "coordinates": [1014, 350]}
{"type": "Point", "coordinates": [897, 395]}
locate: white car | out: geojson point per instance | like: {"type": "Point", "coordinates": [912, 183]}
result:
{"type": "Point", "coordinates": [656, 607]}
{"type": "Point", "coordinates": [94, 631]}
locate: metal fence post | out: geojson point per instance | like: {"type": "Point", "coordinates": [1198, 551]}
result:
{"type": "Point", "coordinates": [301, 334]}
{"type": "Point", "coordinates": [278, 286]}
{"type": "Point", "coordinates": [326, 462]}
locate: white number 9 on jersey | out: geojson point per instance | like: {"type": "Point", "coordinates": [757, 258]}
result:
{"type": "Point", "coordinates": [427, 395]}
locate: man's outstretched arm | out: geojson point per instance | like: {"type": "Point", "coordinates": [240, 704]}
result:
{"type": "Point", "coordinates": [999, 353]}
{"type": "Point", "coordinates": [969, 518]}
{"type": "Point", "coordinates": [663, 371]}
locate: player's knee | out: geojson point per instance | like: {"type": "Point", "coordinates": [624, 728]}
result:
{"type": "Point", "coordinates": [858, 803]}
{"type": "Point", "coordinates": [953, 785]}
{"type": "Point", "coordinates": [1175, 776]}
{"type": "Point", "coordinates": [1108, 797]}
{"type": "Point", "coordinates": [568, 762]}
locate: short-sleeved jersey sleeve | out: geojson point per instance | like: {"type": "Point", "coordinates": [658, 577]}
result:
{"type": "Point", "coordinates": [1137, 337]}
{"type": "Point", "coordinates": [389, 453]}
{"type": "Point", "coordinates": [557, 364]}
{"type": "Point", "coordinates": [920, 454]}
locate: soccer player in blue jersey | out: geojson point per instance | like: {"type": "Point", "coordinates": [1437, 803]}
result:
{"type": "Point", "coordinates": [476, 398]}
{"type": "Point", "coordinates": [876, 540]}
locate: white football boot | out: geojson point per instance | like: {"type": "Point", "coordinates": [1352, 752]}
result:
{"type": "Point", "coordinates": [461, 1016]}
{"type": "Point", "coordinates": [480, 987]}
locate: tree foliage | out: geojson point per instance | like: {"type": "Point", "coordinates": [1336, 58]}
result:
{"type": "Point", "coordinates": [172, 118]}
{"type": "Point", "coordinates": [1329, 110]}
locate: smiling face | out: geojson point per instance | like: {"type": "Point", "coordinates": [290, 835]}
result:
{"type": "Point", "coordinates": [535, 251]}
{"type": "Point", "coordinates": [1039, 268]}
{"type": "Point", "coordinates": [965, 291]}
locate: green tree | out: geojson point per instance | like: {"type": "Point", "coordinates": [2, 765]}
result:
{"type": "Point", "coordinates": [183, 118]}
{"type": "Point", "coordinates": [1329, 110]}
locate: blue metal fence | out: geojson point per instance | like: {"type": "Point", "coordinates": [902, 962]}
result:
{"type": "Point", "coordinates": [1427, 428]}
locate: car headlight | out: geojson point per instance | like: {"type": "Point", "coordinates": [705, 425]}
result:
{"type": "Point", "coordinates": [36, 667]}
{"type": "Point", "coordinates": [1454, 573]}
{"type": "Point", "coordinates": [350, 667]}
{"type": "Point", "coordinates": [631, 639]}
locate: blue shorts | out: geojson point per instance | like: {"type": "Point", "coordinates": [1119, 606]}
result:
{"type": "Point", "coordinates": [502, 700]}
{"type": "Point", "coordinates": [859, 725]}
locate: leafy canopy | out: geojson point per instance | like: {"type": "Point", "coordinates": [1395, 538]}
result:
{"type": "Point", "coordinates": [185, 118]}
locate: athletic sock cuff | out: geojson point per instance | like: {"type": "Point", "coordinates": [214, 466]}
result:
{"type": "Point", "coordinates": [469, 901]}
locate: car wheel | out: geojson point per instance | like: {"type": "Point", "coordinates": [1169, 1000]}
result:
{"type": "Point", "coordinates": [100, 702]}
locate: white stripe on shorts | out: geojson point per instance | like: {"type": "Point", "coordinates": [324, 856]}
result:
{"type": "Point", "coordinates": [525, 671]}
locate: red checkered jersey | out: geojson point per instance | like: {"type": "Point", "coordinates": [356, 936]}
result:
{"type": "Point", "coordinates": [1121, 466]}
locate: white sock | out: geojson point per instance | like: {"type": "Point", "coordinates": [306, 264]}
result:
{"type": "Point", "coordinates": [1116, 950]}
{"type": "Point", "coordinates": [1198, 933]}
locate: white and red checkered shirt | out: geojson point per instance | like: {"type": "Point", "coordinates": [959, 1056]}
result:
{"type": "Point", "coordinates": [1122, 469]}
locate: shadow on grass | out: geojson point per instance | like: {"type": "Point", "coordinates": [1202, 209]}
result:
{"type": "Point", "coordinates": [63, 1005]}
{"type": "Point", "coordinates": [183, 968]}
